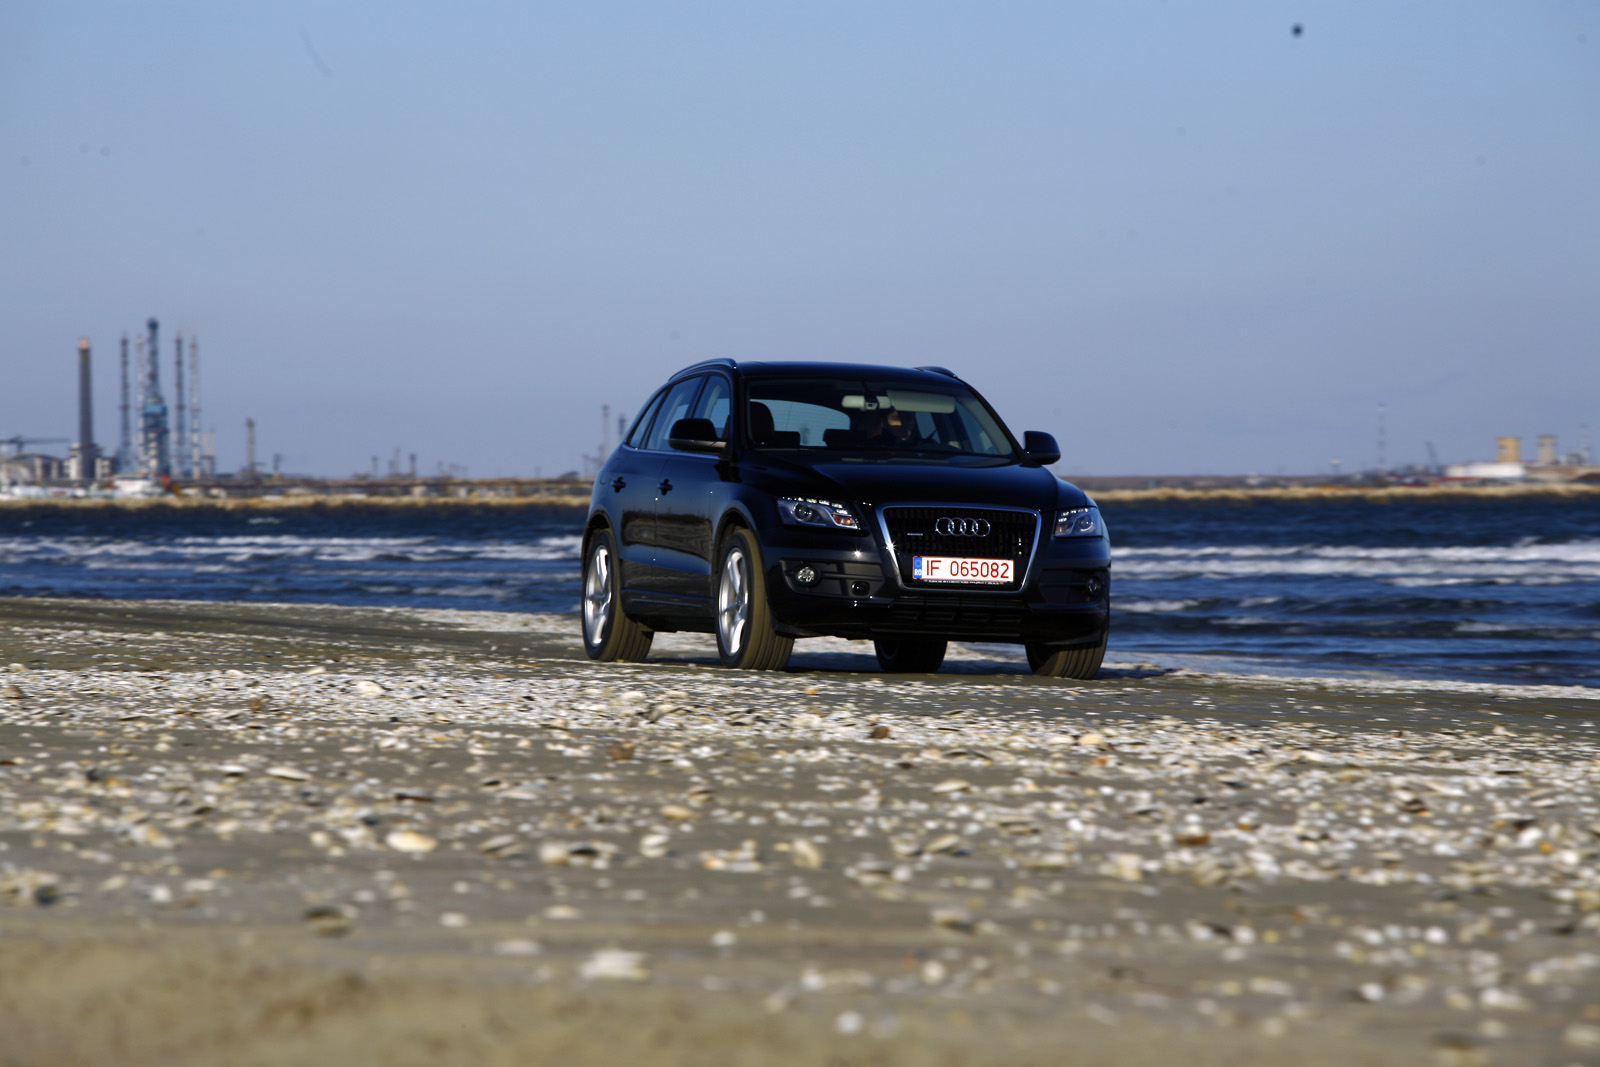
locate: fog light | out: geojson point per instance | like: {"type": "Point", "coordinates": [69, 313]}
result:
{"type": "Point", "coordinates": [1094, 586]}
{"type": "Point", "coordinates": [806, 575]}
{"type": "Point", "coordinates": [859, 588]}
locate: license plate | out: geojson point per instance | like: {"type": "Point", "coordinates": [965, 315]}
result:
{"type": "Point", "coordinates": [957, 569]}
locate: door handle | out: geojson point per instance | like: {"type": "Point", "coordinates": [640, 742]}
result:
{"type": "Point", "coordinates": [665, 486]}
{"type": "Point", "coordinates": [618, 484]}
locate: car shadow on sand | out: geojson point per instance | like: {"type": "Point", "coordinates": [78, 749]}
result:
{"type": "Point", "coordinates": [963, 661]}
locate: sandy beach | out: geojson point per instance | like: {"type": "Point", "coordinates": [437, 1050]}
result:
{"type": "Point", "coordinates": [270, 834]}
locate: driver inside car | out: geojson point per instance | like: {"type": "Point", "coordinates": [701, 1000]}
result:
{"type": "Point", "coordinates": [894, 430]}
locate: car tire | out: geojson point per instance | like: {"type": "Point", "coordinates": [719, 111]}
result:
{"type": "Point", "coordinates": [1079, 663]}
{"type": "Point", "coordinates": [746, 639]}
{"type": "Point", "coordinates": [608, 633]}
{"type": "Point", "coordinates": [910, 655]}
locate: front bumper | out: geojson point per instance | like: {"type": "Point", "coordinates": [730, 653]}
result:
{"type": "Point", "coordinates": [859, 594]}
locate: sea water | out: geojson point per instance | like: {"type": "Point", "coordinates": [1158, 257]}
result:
{"type": "Point", "coordinates": [1502, 590]}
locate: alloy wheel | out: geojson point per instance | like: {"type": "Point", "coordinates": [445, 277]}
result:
{"type": "Point", "coordinates": [597, 593]}
{"type": "Point", "coordinates": [733, 602]}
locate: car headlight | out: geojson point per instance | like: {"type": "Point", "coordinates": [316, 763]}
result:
{"type": "Point", "coordinates": [1080, 522]}
{"type": "Point", "coordinates": [801, 512]}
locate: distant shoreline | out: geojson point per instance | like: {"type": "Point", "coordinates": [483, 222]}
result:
{"type": "Point", "coordinates": [568, 496]}
{"type": "Point", "coordinates": [1340, 494]}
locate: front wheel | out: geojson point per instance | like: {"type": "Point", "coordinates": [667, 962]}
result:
{"type": "Point", "coordinates": [746, 639]}
{"type": "Point", "coordinates": [608, 633]}
{"type": "Point", "coordinates": [910, 655]}
{"type": "Point", "coordinates": [1079, 663]}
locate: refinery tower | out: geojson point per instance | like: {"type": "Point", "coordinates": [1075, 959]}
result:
{"type": "Point", "coordinates": [154, 459]}
{"type": "Point", "coordinates": [151, 447]}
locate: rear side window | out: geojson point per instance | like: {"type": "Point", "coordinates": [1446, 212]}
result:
{"type": "Point", "coordinates": [641, 425]}
{"type": "Point", "coordinates": [677, 405]}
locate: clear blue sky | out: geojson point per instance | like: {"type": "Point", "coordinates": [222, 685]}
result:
{"type": "Point", "coordinates": [1177, 235]}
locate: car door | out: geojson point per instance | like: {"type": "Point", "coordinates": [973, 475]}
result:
{"type": "Point", "coordinates": [629, 479]}
{"type": "Point", "coordinates": [655, 579]}
{"type": "Point", "coordinates": [688, 499]}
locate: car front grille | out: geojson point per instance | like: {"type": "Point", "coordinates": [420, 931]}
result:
{"type": "Point", "coordinates": [914, 531]}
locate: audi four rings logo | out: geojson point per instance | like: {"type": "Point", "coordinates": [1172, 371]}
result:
{"type": "Point", "coordinates": [949, 527]}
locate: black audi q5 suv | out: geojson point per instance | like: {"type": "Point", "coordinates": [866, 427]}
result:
{"type": "Point", "coordinates": [765, 502]}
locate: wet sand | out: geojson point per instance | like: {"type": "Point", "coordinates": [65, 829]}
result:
{"type": "Point", "coordinates": [274, 834]}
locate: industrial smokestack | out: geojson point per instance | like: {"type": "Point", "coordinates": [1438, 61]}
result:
{"type": "Point", "coordinates": [137, 467]}
{"type": "Point", "coordinates": [179, 453]}
{"type": "Point", "coordinates": [197, 467]}
{"type": "Point", "coordinates": [87, 453]}
{"type": "Point", "coordinates": [85, 397]}
{"type": "Point", "coordinates": [125, 451]}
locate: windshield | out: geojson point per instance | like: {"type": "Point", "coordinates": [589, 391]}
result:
{"type": "Point", "coordinates": [867, 417]}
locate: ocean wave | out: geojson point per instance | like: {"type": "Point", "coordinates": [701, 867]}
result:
{"type": "Point", "coordinates": [1578, 551]}
{"type": "Point", "coordinates": [1155, 606]}
{"type": "Point", "coordinates": [1409, 590]}
{"type": "Point", "coordinates": [278, 548]}
{"type": "Point", "coordinates": [1471, 627]}
{"type": "Point", "coordinates": [1405, 567]}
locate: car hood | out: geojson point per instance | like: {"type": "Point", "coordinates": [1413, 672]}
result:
{"type": "Point", "coordinates": [876, 483]}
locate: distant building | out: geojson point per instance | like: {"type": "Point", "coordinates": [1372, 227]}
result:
{"type": "Point", "coordinates": [1486, 472]}
{"type": "Point", "coordinates": [31, 468]}
{"type": "Point", "coordinates": [1551, 468]}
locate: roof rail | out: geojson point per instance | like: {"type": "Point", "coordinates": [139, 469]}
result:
{"type": "Point", "coordinates": [939, 370]}
{"type": "Point", "coordinates": [725, 363]}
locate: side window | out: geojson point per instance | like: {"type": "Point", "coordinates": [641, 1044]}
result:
{"type": "Point", "coordinates": [714, 404]}
{"type": "Point", "coordinates": [677, 405]}
{"type": "Point", "coordinates": [641, 425]}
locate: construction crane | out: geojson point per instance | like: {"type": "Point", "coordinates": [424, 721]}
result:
{"type": "Point", "coordinates": [16, 443]}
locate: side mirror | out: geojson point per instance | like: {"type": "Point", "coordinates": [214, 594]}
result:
{"type": "Point", "coordinates": [695, 435]}
{"type": "Point", "coordinates": [1039, 449]}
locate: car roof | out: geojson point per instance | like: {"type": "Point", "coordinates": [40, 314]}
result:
{"type": "Point", "coordinates": [798, 369]}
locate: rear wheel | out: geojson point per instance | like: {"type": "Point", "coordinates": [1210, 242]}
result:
{"type": "Point", "coordinates": [608, 633]}
{"type": "Point", "coordinates": [1080, 663]}
{"type": "Point", "coordinates": [910, 655]}
{"type": "Point", "coordinates": [746, 639]}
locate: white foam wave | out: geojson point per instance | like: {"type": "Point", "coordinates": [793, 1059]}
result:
{"type": "Point", "coordinates": [1521, 564]}
{"type": "Point", "coordinates": [191, 551]}
{"type": "Point", "coordinates": [1585, 551]}
{"type": "Point", "coordinates": [1485, 628]}
{"type": "Point", "coordinates": [1155, 606]}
